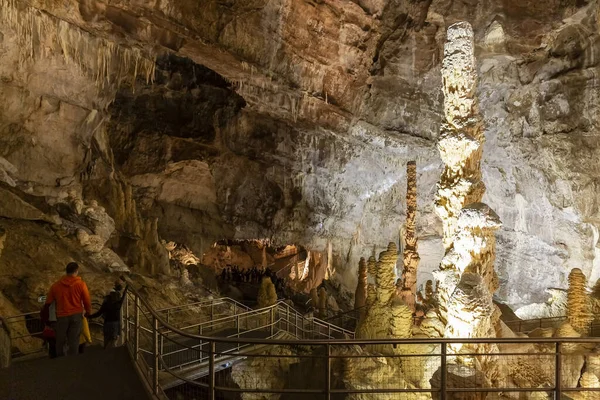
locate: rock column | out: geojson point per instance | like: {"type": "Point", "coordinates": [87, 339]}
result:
{"type": "Point", "coordinates": [460, 143]}
{"type": "Point", "coordinates": [461, 136]}
{"type": "Point", "coordinates": [410, 257]}
{"type": "Point", "coordinates": [467, 273]}
{"type": "Point", "coordinates": [360, 296]}
{"type": "Point", "coordinates": [578, 303]}
{"type": "Point", "coordinates": [386, 315]}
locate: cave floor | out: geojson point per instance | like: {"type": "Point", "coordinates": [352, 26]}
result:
{"type": "Point", "coordinates": [96, 374]}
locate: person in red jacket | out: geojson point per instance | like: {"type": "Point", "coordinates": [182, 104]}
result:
{"type": "Point", "coordinates": [71, 296]}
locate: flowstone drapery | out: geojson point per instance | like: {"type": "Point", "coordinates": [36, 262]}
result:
{"type": "Point", "coordinates": [410, 257]}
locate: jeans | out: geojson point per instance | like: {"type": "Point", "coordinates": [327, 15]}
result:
{"type": "Point", "coordinates": [68, 330]}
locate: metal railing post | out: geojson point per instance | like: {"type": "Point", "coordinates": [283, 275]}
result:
{"type": "Point", "coordinates": [558, 372]}
{"type": "Point", "coordinates": [328, 369]}
{"type": "Point", "coordinates": [156, 355]}
{"type": "Point", "coordinates": [444, 371]}
{"type": "Point", "coordinates": [211, 371]}
{"type": "Point", "coordinates": [168, 316]}
{"type": "Point", "coordinates": [136, 328]}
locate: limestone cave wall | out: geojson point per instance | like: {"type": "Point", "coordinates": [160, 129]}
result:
{"type": "Point", "coordinates": [293, 120]}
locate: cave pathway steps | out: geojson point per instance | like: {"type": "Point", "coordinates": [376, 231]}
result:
{"type": "Point", "coordinates": [97, 374]}
{"type": "Point", "coordinates": [192, 364]}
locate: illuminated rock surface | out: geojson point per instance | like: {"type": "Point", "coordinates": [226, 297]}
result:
{"type": "Point", "coordinates": [461, 136]}
{"type": "Point", "coordinates": [410, 256]}
{"type": "Point", "coordinates": [249, 132]}
{"type": "Point", "coordinates": [579, 310]}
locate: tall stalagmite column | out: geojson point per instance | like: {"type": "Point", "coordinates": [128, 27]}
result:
{"type": "Point", "coordinates": [579, 311]}
{"type": "Point", "coordinates": [460, 143]}
{"type": "Point", "coordinates": [461, 136]}
{"type": "Point", "coordinates": [360, 296]}
{"type": "Point", "coordinates": [469, 274]}
{"type": "Point", "coordinates": [408, 290]}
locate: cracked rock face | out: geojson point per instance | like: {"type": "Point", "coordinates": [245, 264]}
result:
{"type": "Point", "coordinates": [294, 120]}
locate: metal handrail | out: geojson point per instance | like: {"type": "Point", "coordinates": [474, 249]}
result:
{"type": "Point", "coordinates": [144, 302]}
{"type": "Point", "coordinates": [220, 300]}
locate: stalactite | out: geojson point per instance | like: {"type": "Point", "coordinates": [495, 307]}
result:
{"type": "Point", "coordinates": [578, 303]}
{"type": "Point", "coordinates": [107, 62]}
{"type": "Point", "coordinates": [408, 283]}
{"type": "Point", "coordinates": [329, 272]}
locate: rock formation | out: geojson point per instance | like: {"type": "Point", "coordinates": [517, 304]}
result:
{"type": "Point", "coordinates": [323, 303]}
{"type": "Point", "coordinates": [2, 238]}
{"type": "Point", "coordinates": [314, 298]}
{"type": "Point", "coordinates": [461, 137]}
{"type": "Point", "coordinates": [264, 372]}
{"type": "Point", "coordinates": [579, 312]}
{"type": "Point", "coordinates": [468, 276]}
{"type": "Point", "coordinates": [231, 141]}
{"type": "Point", "coordinates": [410, 257]}
{"type": "Point", "coordinates": [360, 295]}
{"type": "Point", "coordinates": [386, 315]}
{"type": "Point", "coordinates": [267, 296]}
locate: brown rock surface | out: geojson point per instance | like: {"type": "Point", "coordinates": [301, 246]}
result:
{"type": "Point", "coordinates": [296, 117]}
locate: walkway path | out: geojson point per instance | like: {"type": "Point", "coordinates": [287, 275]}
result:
{"type": "Point", "coordinates": [95, 375]}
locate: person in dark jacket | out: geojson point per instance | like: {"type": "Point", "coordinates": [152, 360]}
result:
{"type": "Point", "coordinates": [111, 311]}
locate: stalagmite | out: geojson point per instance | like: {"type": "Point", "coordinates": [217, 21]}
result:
{"type": "Point", "coordinates": [184, 280]}
{"type": "Point", "coordinates": [314, 298]}
{"type": "Point", "coordinates": [578, 303]}
{"type": "Point", "coordinates": [386, 315]}
{"type": "Point", "coordinates": [460, 147]}
{"type": "Point", "coordinates": [322, 302]}
{"type": "Point", "coordinates": [467, 273]}
{"type": "Point", "coordinates": [461, 136]}
{"type": "Point", "coordinates": [408, 283]}
{"type": "Point", "coordinates": [360, 296]}
{"type": "Point", "coordinates": [267, 295]}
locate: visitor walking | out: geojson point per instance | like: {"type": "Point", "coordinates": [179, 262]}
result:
{"type": "Point", "coordinates": [111, 310]}
{"type": "Point", "coordinates": [71, 296]}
